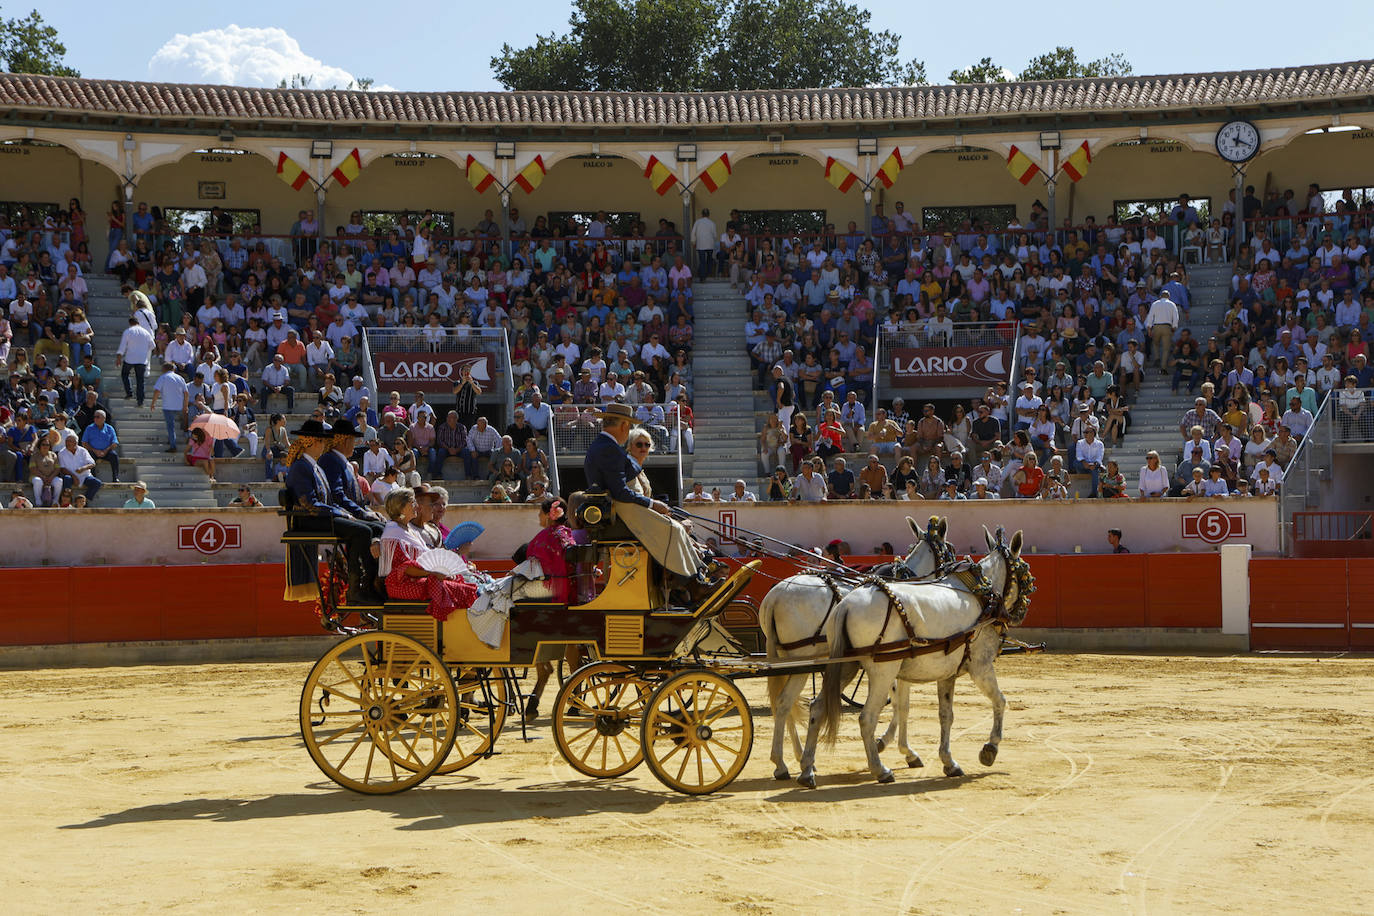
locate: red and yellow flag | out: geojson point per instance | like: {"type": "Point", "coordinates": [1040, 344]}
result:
{"type": "Point", "coordinates": [717, 173]}
{"type": "Point", "coordinates": [478, 176]}
{"type": "Point", "coordinates": [887, 172]}
{"type": "Point", "coordinates": [1022, 168]}
{"type": "Point", "coordinates": [839, 175]}
{"type": "Point", "coordinates": [346, 172]}
{"type": "Point", "coordinates": [532, 175]}
{"type": "Point", "coordinates": [1076, 166]}
{"type": "Point", "coordinates": [289, 172]}
{"type": "Point", "coordinates": [659, 175]}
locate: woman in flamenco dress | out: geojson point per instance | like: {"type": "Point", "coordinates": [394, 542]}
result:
{"type": "Point", "coordinates": [405, 579]}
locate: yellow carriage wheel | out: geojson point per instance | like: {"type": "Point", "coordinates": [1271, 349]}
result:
{"type": "Point", "coordinates": [594, 718]}
{"type": "Point", "coordinates": [378, 713]}
{"type": "Point", "coordinates": [697, 732]}
{"type": "Point", "coordinates": [482, 711]}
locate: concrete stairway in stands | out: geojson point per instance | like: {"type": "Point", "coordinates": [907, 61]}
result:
{"type": "Point", "coordinates": [1156, 411]}
{"type": "Point", "coordinates": [142, 433]}
{"type": "Point", "coordinates": [723, 401]}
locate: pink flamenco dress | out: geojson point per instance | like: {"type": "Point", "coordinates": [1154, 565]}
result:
{"type": "Point", "coordinates": [399, 549]}
{"type": "Point", "coordinates": [550, 547]}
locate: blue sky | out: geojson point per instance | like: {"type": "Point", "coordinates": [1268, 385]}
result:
{"type": "Point", "coordinates": [449, 46]}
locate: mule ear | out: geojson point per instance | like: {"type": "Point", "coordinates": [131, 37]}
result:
{"type": "Point", "coordinates": [987, 536]}
{"type": "Point", "coordinates": [915, 529]}
{"type": "Point", "coordinates": [944, 527]}
{"type": "Point", "coordinates": [1016, 543]}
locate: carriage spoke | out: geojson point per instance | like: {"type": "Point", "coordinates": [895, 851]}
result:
{"type": "Point", "coordinates": [343, 731]}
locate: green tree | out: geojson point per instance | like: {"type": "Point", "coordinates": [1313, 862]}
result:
{"type": "Point", "coordinates": [1063, 63]}
{"type": "Point", "coordinates": [29, 45]}
{"type": "Point", "coordinates": [689, 45]}
{"type": "Point", "coordinates": [985, 71]}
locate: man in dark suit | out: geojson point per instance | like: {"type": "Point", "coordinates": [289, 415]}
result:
{"type": "Point", "coordinates": [310, 491]}
{"type": "Point", "coordinates": [608, 467]}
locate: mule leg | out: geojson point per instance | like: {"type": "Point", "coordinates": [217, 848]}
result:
{"type": "Point", "coordinates": [901, 705]}
{"type": "Point", "coordinates": [985, 676]}
{"type": "Point", "coordinates": [541, 678]}
{"type": "Point", "coordinates": [945, 691]}
{"type": "Point", "coordinates": [845, 673]}
{"type": "Point", "coordinates": [880, 679]}
{"type": "Point", "coordinates": [897, 714]}
{"type": "Point", "coordinates": [784, 724]}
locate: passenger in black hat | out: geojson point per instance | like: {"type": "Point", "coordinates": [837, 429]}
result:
{"type": "Point", "coordinates": [310, 490]}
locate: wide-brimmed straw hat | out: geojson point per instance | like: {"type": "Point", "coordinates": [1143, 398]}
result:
{"type": "Point", "coordinates": [616, 411]}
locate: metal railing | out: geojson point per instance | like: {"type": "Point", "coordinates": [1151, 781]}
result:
{"type": "Point", "coordinates": [1309, 467]}
{"type": "Point", "coordinates": [1354, 422]}
{"type": "Point", "coordinates": [1333, 526]}
{"type": "Point", "coordinates": [965, 334]}
{"type": "Point", "coordinates": [574, 426]}
{"type": "Point", "coordinates": [555, 481]}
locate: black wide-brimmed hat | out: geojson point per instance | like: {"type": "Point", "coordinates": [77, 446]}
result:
{"type": "Point", "coordinates": [313, 429]}
{"type": "Point", "coordinates": [343, 427]}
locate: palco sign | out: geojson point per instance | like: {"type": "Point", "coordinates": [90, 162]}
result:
{"type": "Point", "coordinates": [947, 367]}
{"type": "Point", "coordinates": [402, 371]}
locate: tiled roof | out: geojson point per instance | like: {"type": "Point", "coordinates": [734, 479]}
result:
{"type": "Point", "coordinates": [699, 109]}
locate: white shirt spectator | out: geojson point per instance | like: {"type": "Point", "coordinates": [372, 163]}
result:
{"type": "Point", "coordinates": [136, 345]}
{"type": "Point", "coordinates": [1089, 452]}
{"type": "Point", "coordinates": [275, 376]}
{"type": "Point", "coordinates": [810, 490]}
{"type": "Point", "coordinates": [1162, 311]}
{"type": "Point", "coordinates": [1154, 483]}
{"type": "Point", "coordinates": [376, 462]}
{"type": "Point", "coordinates": [650, 350]}
{"type": "Point", "coordinates": [318, 354]}
{"type": "Point", "coordinates": [705, 234]}
{"type": "Point", "coordinates": [336, 333]}
{"type": "Point", "coordinates": [72, 460]}
{"type": "Point", "coordinates": [484, 440]}
{"type": "Point", "coordinates": [610, 390]}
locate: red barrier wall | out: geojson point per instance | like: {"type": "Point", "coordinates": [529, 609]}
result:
{"type": "Point", "coordinates": [1129, 590]}
{"type": "Point", "coordinates": [1312, 603]}
{"type": "Point", "coordinates": [50, 606]}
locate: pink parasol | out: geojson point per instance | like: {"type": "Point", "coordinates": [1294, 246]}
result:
{"type": "Point", "coordinates": [216, 426]}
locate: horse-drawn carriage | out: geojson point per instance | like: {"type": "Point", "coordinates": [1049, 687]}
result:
{"type": "Point", "coordinates": [405, 696]}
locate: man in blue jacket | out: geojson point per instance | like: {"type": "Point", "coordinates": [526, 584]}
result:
{"type": "Point", "coordinates": [608, 467]}
{"type": "Point", "coordinates": [310, 490]}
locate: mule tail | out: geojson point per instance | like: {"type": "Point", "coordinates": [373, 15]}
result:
{"type": "Point", "coordinates": [833, 683]}
{"type": "Point", "coordinates": [777, 682]}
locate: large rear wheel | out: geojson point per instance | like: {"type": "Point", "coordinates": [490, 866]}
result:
{"type": "Point", "coordinates": [378, 713]}
{"type": "Point", "coordinates": [594, 718]}
{"type": "Point", "coordinates": [697, 732]}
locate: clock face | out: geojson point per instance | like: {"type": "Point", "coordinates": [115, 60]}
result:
{"type": "Point", "coordinates": [1238, 141]}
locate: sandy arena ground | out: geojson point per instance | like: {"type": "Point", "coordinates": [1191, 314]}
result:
{"type": "Point", "coordinates": [1125, 784]}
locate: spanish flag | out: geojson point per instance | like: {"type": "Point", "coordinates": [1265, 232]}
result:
{"type": "Point", "coordinates": [839, 175]}
{"type": "Point", "coordinates": [887, 172]}
{"type": "Point", "coordinates": [659, 175]}
{"type": "Point", "coordinates": [346, 172]}
{"type": "Point", "coordinates": [532, 175]}
{"type": "Point", "coordinates": [717, 173]}
{"type": "Point", "coordinates": [289, 172]}
{"type": "Point", "coordinates": [478, 176]}
{"type": "Point", "coordinates": [1076, 166]}
{"type": "Point", "coordinates": [1021, 166]}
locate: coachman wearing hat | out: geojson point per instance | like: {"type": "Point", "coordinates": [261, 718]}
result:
{"type": "Point", "coordinates": [343, 483]}
{"type": "Point", "coordinates": [608, 467]}
{"type": "Point", "coordinates": [310, 490]}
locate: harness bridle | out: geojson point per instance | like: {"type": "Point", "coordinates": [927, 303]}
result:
{"type": "Point", "coordinates": [993, 612]}
{"type": "Point", "coordinates": [944, 558]}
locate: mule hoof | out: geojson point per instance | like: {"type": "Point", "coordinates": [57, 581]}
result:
{"type": "Point", "coordinates": [988, 755]}
{"type": "Point", "coordinates": [954, 771]}
{"type": "Point", "coordinates": [781, 774]}
{"type": "Point", "coordinates": [881, 745]}
{"type": "Point", "coordinates": [807, 782]}
{"type": "Point", "coordinates": [886, 776]}
{"type": "Point", "coordinates": [915, 763]}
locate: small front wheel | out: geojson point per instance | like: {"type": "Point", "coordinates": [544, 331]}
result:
{"type": "Point", "coordinates": [697, 732]}
{"type": "Point", "coordinates": [594, 718]}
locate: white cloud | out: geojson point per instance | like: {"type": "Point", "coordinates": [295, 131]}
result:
{"type": "Point", "coordinates": [239, 56]}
